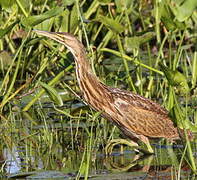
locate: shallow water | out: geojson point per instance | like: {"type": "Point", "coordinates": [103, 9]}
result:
{"type": "Point", "coordinates": [46, 144]}
{"type": "Point", "coordinates": [128, 165]}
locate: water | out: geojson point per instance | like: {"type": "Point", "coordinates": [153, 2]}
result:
{"type": "Point", "coordinates": [45, 144]}
{"type": "Point", "coordinates": [61, 164]}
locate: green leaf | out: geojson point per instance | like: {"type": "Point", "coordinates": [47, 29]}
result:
{"type": "Point", "coordinates": [53, 95]}
{"type": "Point", "coordinates": [74, 21]}
{"type": "Point", "coordinates": [123, 5]}
{"type": "Point", "coordinates": [177, 113]}
{"type": "Point", "coordinates": [177, 79]}
{"type": "Point", "coordinates": [181, 121]}
{"type": "Point", "coordinates": [185, 10]}
{"type": "Point", "coordinates": [7, 3]}
{"type": "Point", "coordinates": [5, 59]}
{"type": "Point", "coordinates": [68, 2]}
{"type": "Point", "coordinates": [110, 23]}
{"type": "Point", "coordinates": [136, 41]}
{"type": "Point", "coordinates": [168, 18]}
{"type": "Point", "coordinates": [34, 20]}
{"type": "Point", "coordinates": [6, 30]}
{"type": "Point", "coordinates": [65, 18]}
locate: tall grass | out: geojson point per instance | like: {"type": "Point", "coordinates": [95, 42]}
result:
{"type": "Point", "coordinates": [125, 44]}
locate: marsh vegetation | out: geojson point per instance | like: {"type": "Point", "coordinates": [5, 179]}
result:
{"type": "Point", "coordinates": [148, 47]}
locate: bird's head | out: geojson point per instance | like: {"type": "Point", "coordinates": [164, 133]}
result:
{"type": "Point", "coordinates": [70, 41]}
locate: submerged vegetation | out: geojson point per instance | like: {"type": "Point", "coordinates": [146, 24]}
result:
{"type": "Point", "coordinates": [148, 47]}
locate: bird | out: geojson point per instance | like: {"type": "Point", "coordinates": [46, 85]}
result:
{"type": "Point", "coordinates": [139, 118]}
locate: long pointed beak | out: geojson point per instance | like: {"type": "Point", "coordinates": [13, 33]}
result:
{"type": "Point", "coordinates": [52, 35]}
{"type": "Point", "coordinates": [64, 38]}
{"type": "Point", "coordinates": [45, 33]}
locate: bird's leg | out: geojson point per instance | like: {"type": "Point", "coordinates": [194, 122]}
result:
{"type": "Point", "coordinates": [145, 140]}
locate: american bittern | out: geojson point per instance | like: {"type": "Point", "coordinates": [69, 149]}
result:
{"type": "Point", "coordinates": [137, 117]}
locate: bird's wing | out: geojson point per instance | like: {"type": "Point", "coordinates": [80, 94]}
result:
{"type": "Point", "coordinates": [138, 101]}
{"type": "Point", "coordinates": [141, 115]}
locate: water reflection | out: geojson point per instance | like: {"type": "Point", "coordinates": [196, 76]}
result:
{"type": "Point", "coordinates": [66, 164]}
{"type": "Point", "coordinates": [12, 160]}
{"type": "Point", "coordinates": [58, 143]}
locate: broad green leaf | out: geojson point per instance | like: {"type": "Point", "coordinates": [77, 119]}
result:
{"type": "Point", "coordinates": [168, 18]}
{"type": "Point", "coordinates": [6, 30]}
{"type": "Point", "coordinates": [74, 21]}
{"type": "Point", "coordinates": [5, 59]}
{"type": "Point", "coordinates": [68, 2]}
{"type": "Point", "coordinates": [181, 121]}
{"type": "Point", "coordinates": [112, 24]}
{"type": "Point", "coordinates": [136, 41]}
{"type": "Point", "coordinates": [7, 3]}
{"type": "Point", "coordinates": [123, 5]}
{"type": "Point", "coordinates": [65, 18]}
{"type": "Point", "coordinates": [34, 20]}
{"type": "Point", "coordinates": [53, 95]}
{"type": "Point", "coordinates": [185, 10]}
{"type": "Point", "coordinates": [177, 79]}
{"type": "Point", "coordinates": [178, 114]}
{"type": "Point", "coordinates": [24, 4]}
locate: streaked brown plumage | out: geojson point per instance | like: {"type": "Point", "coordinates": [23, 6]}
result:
{"type": "Point", "coordinates": [137, 117]}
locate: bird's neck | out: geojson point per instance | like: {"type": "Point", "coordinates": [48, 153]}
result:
{"type": "Point", "coordinates": [89, 84]}
{"type": "Point", "coordinates": [82, 66]}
